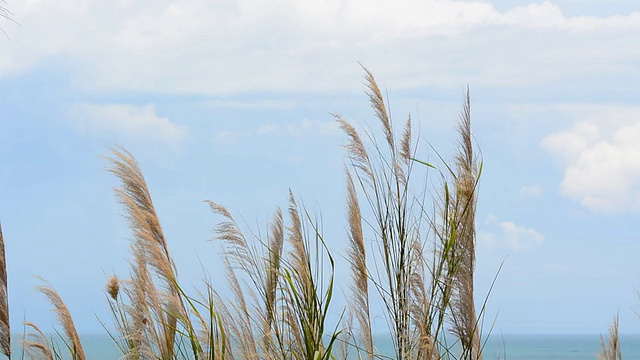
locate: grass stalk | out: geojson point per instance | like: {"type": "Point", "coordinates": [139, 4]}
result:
{"type": "Point", "coordinates": [65, 319]}
{"type": "Point", "coordinates": [611, 348]}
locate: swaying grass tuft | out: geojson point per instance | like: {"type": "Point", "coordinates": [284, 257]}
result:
{"type": "Point", "coordinates": [281, 287]}
{"type": "Point", "coordinates": [385, 186]}
{"type": "Point", "coordinates": [358, 259]}
{"type": "Point", "coordinates": [463, 314]}
{"type": "Point", "coordinates": [65, 319]}
{"type": "Point", "coordinates": [422, 280]}
{"type": "Point", "coordinates": [36, 344]}
{"type": "Point", "coordinates": [611, 349]}
{"type": "Point", "coordinates": [155, 313]}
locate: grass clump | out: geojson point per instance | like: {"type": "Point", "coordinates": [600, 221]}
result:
{"type": "Point", "coordinates": [423, 262]}
{"type": "Point", "coordinates": [418, 263]}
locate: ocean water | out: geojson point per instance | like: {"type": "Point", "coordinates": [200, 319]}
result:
{"type": "Point", "coordinates": [515, 347]}
{"type": "Point", "coordinates": [543, 347]}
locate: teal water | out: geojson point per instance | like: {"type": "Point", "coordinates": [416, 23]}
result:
{"type": "Point", "coordinates": [544, 347]}
{"type": "Point", "coordinates": [515, 347]}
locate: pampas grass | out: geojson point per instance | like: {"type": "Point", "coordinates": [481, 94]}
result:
{"type": "Point", "coordinates": [611, 348]}
{"type": "Point", "coordinates": [280, 311]}
{"type": "Point", "coordinates": [280, 288]}
{"type": "Point", "coordinates": [64, 318]}
{"type": "Point", "coordinates": [424, 263]}
{"type": "Point", "coordinates": [36, 345]}
{"type": "Point", "coordinates": [360, 273]}
{"type": "Point", "coordinates": [463, 314]}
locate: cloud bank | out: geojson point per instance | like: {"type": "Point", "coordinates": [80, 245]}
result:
{"type": "Point", "coordinates": [240, 46]}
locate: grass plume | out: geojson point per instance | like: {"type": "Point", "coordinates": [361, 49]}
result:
{"type": "Point", "coordinates": [156, 303]}
{"type": "Point", "coordinates": [611, 349]}
{"type": "Point", "coordinates": [419, 292]}
{"type": "Point", "coordinates": [420, 266]}
{"type": "Point", "coordinates": [65, 319]}
{"type": "Point", "coordinates": [464, 318]}
{"type": "Point", "coordinates": [36, 345]}
{"type": "Point", "coordinates": [358, 259]}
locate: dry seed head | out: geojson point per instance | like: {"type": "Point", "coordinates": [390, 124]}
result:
{"type": "Point", "coordinates": [65, 319]}
{"type": "Point", "coordinates": [377, 102]}
{"type": "Point", "coordinates": [113, 287]}
{"type": "Point", "coordinates": [405, 152]}
{"type": "Point", "coordinates": [466, 186]}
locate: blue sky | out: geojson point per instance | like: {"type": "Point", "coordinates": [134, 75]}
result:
{"type": "Point", "coordinates": [231, 100]}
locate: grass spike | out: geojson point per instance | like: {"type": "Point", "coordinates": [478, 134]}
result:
{"type": "Point", "coordinates": [611, 349]}
{"type": "Point", "coordinates": [65, 319]}
{"type": "Point", "coordinates": [377, 102]}
{"type": "Point", "coordinates": [357, 258]}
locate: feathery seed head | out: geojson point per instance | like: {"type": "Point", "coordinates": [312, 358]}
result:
{"type": "Point", "coordinates": [113, 287]}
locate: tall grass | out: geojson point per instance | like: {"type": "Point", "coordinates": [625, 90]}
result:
{"type": "Point", "coordinates": [425, 261]}
{"type": "Point", "coordinates": [71, 340]}
{"type": "Point", "coordinates": [411, 250]}
{"type": "Point", "coordinates": [611, 348]}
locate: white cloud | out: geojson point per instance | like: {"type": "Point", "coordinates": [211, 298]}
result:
{"type": "Point", "coordinates": [248, 104]}
{"type": "Point", "coordinates": [601, 159]}
{"type": "Point", "coordinates": [241, 46]}
{"type": "Point", "coordinates": [534, 190]}
{"type": "Point", "coordinates": [515, 237]}
{"type": "Point", "coordinates": [520, 237]}
{"type": "Point", "coordinates": [226, 137]}
{"type": "Point", "coordinates": [305, 127]}
{"type": "Point", "coordinates": [318, 127]}
{"type": "Point", "coordinates": [126, 120]}
{"type": "Point", "coordinates": [486, 239]}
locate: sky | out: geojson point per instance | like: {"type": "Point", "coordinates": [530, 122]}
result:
{"type": "Point", "coordinates": [231, 101]}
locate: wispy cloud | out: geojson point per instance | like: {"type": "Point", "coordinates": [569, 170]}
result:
{"type": "Point", "coordinates": [507, 233]}
{"type": "Point", "coordinates": [533, 190]}
{"type": "Point", "coordinates": [131, 121]}
{"type": "Point", "coordinates": [520, 237]}
{"type": "Point", "coordinates": [252, 104]}
{"type": "Point", "coordinates": [318, 127]}
{"type": "Point", "coordinates": [601, 159]}
{"type": "Point", "coordinates": [226, 137]}
{"type": "Point", "coordinates": [267, 129]}
{"type": "Point", "coordinates": [302, 128]}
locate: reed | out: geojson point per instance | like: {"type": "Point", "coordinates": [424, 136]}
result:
{"type": "Point", "coordinates": [154, 311]}
{"type": "Point", "coordinates": [421, 292]}
{"type": "Point", "coordinates": [463, 314]}
{"type": "Point", "coordinates": [357, 256]}
{"type": "Point", "coordinates": [36, 345]}
{"type": "Point", "coordinates": [611, 348]}
{"type": "Point", "coordinates": [287, 316]}
{"type": "Point", "coordinates": [419, 263]}
{"type": "Point", "coordinates": [72, 340]}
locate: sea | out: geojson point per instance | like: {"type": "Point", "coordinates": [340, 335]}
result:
{"type": "Point", "coordinates": [544, 347]}
{"type": "Point", "coordinates": [512, 347]}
